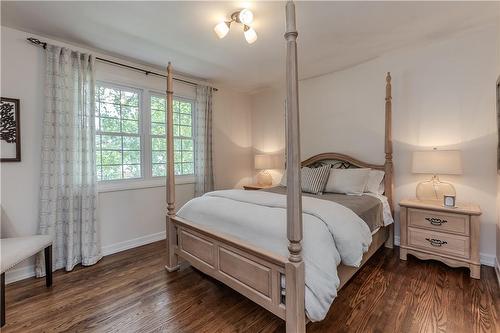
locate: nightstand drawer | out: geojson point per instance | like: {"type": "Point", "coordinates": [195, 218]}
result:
{"type": "Point", "coordinates": [439, 243]}
{"type": "Point", "coordinates": [438, 221]}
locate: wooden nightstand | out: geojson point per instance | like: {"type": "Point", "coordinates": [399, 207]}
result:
{"type": "Point", "coordinates": [255, 187]}
{"type": "Point", "coordinates": [451, 235]}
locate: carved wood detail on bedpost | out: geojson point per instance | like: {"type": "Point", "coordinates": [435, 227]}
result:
{"type": "Point", "coordinates": [388, 165]}
{"type": "Point", "coordinates": [294, 268]}
{"type": "Point", "coordinates": [172, 259]}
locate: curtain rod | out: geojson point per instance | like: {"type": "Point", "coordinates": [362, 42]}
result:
{"type": "Point", "coordinates": [38, 42]}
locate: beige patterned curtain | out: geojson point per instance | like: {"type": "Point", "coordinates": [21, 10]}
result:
{"type": "Point", "coordinates": [203, 163]}
{"type": "Point", "coordinates": [68, 197]}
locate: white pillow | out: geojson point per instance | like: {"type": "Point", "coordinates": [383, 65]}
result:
{"type": "Point", "coordinates": [283, 178]}
{"type": "Point", "coordinates": [347, 181]}
{"type": "Point", "coordinates": [375, 182]}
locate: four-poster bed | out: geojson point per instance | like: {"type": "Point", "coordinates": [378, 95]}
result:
{"type": "Point", "coordinates": [274, 281]}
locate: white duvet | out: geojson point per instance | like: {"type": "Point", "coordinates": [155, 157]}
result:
{"type": "Point", "coordinates": [332, 234]}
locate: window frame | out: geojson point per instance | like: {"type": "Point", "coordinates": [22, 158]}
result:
{"type": "Point", "coordinates": [193, 127]}
{"type": "Point", "coordinates": [140, 120]}
{"type": "Point", "coordinates": [146, 180]}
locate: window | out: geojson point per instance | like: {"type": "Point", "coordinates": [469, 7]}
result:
{"type": "Point", "coordinates": [130, 136]}
{"type": "Point", "coordinates": [118, 133]}
{"type": "Point", "coordinates": [183, 136]}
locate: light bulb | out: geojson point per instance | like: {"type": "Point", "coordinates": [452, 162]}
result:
{"type": "Point", "coordinates": [246, 16]}
{"type": "Point", "coordinates": [250, 34]}
{"type": "Point", "coordinates": [222, 29]}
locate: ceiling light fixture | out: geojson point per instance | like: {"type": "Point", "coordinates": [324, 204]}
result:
{"type": "Point", "coordinates": [245, 17]}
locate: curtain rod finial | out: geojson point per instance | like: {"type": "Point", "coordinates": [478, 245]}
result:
{"type": "Point", "coordinates": [37, 42]}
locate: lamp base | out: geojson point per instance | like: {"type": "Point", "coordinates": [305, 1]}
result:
{"type": "Point", "coordinates": [434, 189]}
{"type": "Point", "coordinates": [264, 178]}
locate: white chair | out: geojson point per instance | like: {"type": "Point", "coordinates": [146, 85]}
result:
{"type": "Point", "coordinates": [14, 250]}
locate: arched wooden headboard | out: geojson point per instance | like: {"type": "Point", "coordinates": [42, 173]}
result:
{"type": "Point", "coordinates": [344, 161]}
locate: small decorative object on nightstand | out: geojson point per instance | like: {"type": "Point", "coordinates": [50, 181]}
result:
{"type": "Point", "coordinates": [430, 230]}
{"type": "Point", "coordinates": [449, 201]}
{"type": "Point", "coordinates": [255, 187]}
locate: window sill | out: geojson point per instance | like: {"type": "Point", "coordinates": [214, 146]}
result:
{"type": "Point", "coordinates": [114, 186]}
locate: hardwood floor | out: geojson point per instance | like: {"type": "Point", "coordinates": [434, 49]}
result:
{"type": "Point", "coordinates": [132, 292]}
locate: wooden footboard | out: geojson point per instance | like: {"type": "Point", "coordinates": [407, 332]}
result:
{"type": "Point", "coordinates": [252, 272]}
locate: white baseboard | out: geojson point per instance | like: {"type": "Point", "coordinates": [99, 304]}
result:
{"type": "Point", "coordinates": [131, 243]}
{"type": "Point", "coordinates": [25, 272]}
{"type": "Point", "coordinates": [487, 259]}
{"type": "Point", "coordinates": [484, 258]}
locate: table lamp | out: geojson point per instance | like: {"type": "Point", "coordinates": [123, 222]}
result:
{"type": "Point", "coordinates": [264, 163]}
{"type": "Point", "coordinates": [436, 162]}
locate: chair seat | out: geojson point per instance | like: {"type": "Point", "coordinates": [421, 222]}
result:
{"type": "Point", "coordinates": [16, 249]}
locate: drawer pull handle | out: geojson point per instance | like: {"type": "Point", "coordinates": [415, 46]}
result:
{"type": "Point", "coordinates": [435, 220]}
{"type": "Point", "coordinates": [436, 242]}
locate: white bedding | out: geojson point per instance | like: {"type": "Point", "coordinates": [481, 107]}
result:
{"type": "Point", "coordinates": [332, 233]}
{"type": "Point", "coordinates": [386, 208]}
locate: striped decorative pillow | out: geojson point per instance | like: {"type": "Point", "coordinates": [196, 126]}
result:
{"type": "Point", "coordinates": [314, 179]}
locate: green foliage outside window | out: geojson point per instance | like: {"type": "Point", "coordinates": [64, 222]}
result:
{"type": "Point", "coordinates": [118, 141]}
{"type": "Point", "coordinates": [183, 137]}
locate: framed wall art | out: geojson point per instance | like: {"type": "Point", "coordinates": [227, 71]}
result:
{"type": "Point", "coordinates": [10, 130]}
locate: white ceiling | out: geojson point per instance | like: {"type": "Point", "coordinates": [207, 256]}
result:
{"type": "Point", "coordinates": [332, 35]}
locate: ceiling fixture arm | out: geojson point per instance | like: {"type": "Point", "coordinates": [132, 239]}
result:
{"type": "Point", "coordinates": [235, 18]}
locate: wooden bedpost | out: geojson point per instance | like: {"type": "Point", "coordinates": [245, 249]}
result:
{"type": "Point", "coordinates": [388, 165]}
{"type": "Point", "coordinates": [172, 259]}
{"type": "Point", "coordinates": [294, 268]}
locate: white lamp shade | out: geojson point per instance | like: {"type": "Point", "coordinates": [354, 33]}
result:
{"type": "Point", "coordinates": [437, 162]}
{"type": "Point", "coordinates": [246, 16]}
{"type": "Point", "coordinates": [266, 162]}
{"type": "Point", "coordinates": [222, 29]}
{"type": "Point", "coordinates": [250, 35]}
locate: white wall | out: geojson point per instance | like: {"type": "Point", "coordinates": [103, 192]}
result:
{"type": "Point", "coordinates": [127, 218]}
{"type": "Point", "coordinates": [268, 112]}
{"type": "Point", "coordinates": [232, 139]}
{"type": "Point", "coordinates": [443, 95]}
